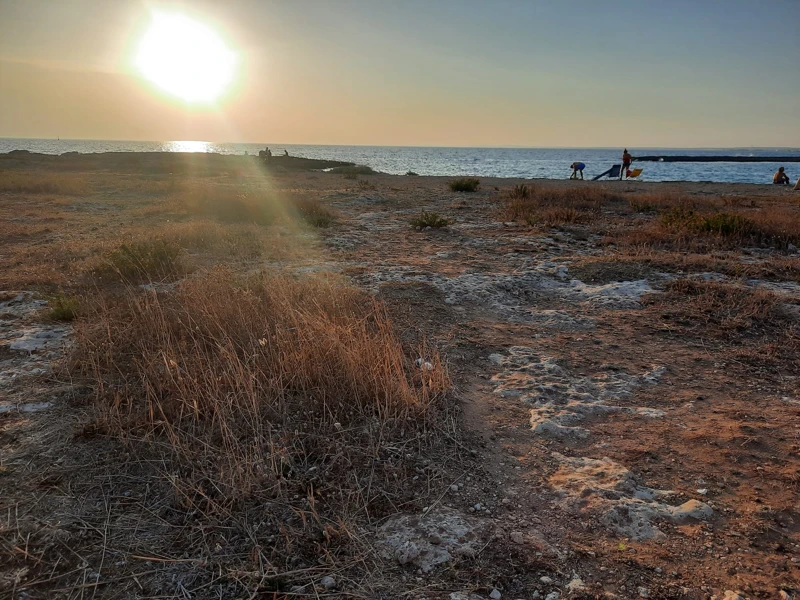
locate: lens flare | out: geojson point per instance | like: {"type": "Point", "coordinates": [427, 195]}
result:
{"type": "Point", "coordinates": [185, 58]}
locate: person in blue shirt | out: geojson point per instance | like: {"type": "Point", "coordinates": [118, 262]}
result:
{"type": "Point", "coordinates": [577, 167]}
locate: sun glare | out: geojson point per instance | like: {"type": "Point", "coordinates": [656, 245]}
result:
{"type": "Point", "coordinates": [185, 58]}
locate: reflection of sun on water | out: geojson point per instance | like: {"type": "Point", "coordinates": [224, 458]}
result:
{"type": "Point", "coordinates": [187, 146]}
{"type": "Point", "coordinates": [185, 58]}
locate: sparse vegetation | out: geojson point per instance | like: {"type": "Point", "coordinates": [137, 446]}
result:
{"type": "Point", "coordinates": [429, 219]}
{"type": "Point", "coordinates": [412, 174]}
{"type": "Point", "coordinates": [465, 184]}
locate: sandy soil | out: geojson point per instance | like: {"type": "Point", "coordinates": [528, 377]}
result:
{"type": "Point", "coordinates": [615, 448]}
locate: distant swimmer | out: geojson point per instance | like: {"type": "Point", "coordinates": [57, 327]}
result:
{"type": "Point", "coordinates": [627, 159]}
{"type": "Point", "coordinates": [577, 167]}
{"type": "Point", "coordinates": [780, 177]}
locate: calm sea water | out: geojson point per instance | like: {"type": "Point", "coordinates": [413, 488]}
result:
{"type": "Point", "coordinates": [550, 163]}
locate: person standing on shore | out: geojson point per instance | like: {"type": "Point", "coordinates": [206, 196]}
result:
{"type": "Point", "coordinates": [627, 159]}
{"type": "Point", "coordinates": [780, 177]}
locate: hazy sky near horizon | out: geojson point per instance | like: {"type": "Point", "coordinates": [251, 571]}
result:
{"type": "Point", "coordinates": [684, 73]}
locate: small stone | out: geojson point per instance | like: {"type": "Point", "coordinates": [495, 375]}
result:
{"type": "Point", "coordinates": [552, 596]}
{"type": "Point", "coordinates": [495, 595]}
{"type": "Point", "coordinates": [435, 540]}
{"type": "Point", "coordinates": [536, 596]}
{"type": "Point", "coordinates": [644, 592]}
{"type": "Point", "coordinates": [517, 537]}
{"type": "Point", "coordinates": [454, 488]}
{"type": "Point", "coordinates": [328, 582]}
{"type": "Point", "coordinates": [576, 585]}
{"type": "Point", "coordinates": [546, 580]}
{"type": "Point", "coordinates": [506, 501]}
{"type": "Point", "coordinates": [478, 506]}
{"type": "Point", "coordinates": [783, 595]}
{"type": "Point", "coordinates": [731, 595]}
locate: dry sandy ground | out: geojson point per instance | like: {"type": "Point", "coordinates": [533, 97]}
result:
{"type": "Point", "coordinates": [615, 447]}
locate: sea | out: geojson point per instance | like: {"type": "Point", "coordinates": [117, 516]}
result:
{"type": "Point", "coordinates": [529, 163]}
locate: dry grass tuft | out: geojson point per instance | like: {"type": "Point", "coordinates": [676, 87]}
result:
{"type": "Point", "coordinates": [720, 308]}
{"type": "Point", "coordinates": [289, 401]}
{"type": "Point", "coordinates": [555, 205]}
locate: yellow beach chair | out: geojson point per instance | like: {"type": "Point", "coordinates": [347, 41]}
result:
{"type": "Point", "coordinates": [635, 173]}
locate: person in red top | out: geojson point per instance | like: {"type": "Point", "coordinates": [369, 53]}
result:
{"type": "Point", "coordinates": [627, 159]}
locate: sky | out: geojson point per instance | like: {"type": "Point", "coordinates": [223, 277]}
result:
{"type": "Point", "coordinates": [532, 73]}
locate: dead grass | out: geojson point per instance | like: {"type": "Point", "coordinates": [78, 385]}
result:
{"type": "Point", "coordinates": [555, 205]}
{"type": "Point", "coordinates": [40, 182]}
{"type": "Point", "coordinates": [720, 308]}
{"type": "Point", "coordinates": [282, 412]}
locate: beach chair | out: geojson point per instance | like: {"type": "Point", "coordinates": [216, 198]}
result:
{"type": "Point", "coordinates": [613, 173]}
{"type": "Point", "coordinates": [635, 173]}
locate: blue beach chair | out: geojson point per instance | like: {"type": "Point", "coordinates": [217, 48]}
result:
{"type": "Point", "coordinates": [613, 173]}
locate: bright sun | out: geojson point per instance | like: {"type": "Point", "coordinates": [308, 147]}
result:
{"type": "Point", "coordinates": [185, 58]}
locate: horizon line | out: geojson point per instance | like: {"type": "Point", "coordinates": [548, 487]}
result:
{"type": "Point", "coordinates": [483, 147]}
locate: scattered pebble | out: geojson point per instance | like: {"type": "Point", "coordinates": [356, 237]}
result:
{"type": "Point", "coordinates": [495, 595]}
{"type": "Point", "coordinates": [328, 582]}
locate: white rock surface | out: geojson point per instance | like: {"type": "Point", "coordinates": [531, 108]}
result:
{"type": "Point", "coordinates": [621, 503]}
{"type": "Point", "coordinates": [408, 538]}
{"type": "Point", "coordinates": [561, 400]}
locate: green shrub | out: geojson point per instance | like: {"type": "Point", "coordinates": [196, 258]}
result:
{"type": "Point", "coordinates": [429, 219]}
{"type": "Point", "coordinates": [63, 308]}
{"type": "Point", "coordinates": [465, 184]}
{"type": "Point", "coordinates": [411, 173]}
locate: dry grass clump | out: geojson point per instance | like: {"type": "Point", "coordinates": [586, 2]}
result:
{"type": "Point", "coordinates": [229, 241]}
{"type": "Point", "coordinates": [769, 228]}
{"type": "Point", "coordinates": [144, 260]}
{"type": "Point", "coordinates": [40, 182]}
{"type": "Point", "coordinates": [555, 205]}
{"type": "Point", "coordinates": [464, 184]}
{"type": "Point", "coordinates": [284, 412]}
{"type": "Point", "coordinates": [312, 212]}
{"type": "Point", "coordinates": [720, 307]}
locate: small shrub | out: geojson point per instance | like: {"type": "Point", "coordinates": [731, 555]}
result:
{"type": "Point", "coordinates": [63, 308]}
{"type": "Point", "coordinates": [145, 260]}
{"type": "Point", "coordinates": [412, 174]}
{"type": "Point", "coordinates": [465, 184]}
{"type": "Point", "coordinates": [313, 212]}
{"type": "Point", "coordinates": [429, 219]}
{"type": "Point", "coordinates": [519, 192]}
{"type": "Point", "coordinates": [350, 176]}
